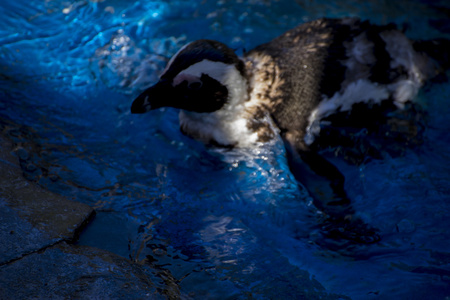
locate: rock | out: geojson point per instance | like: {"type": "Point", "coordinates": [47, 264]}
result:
{"type": "Point", "coordinates": [80, 272]}
{"type": "Point", "coordinates": [32, 218]}
{"type": "Point", "coordinates": [37, 257]}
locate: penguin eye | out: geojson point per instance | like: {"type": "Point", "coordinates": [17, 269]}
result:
{"type": "Point", "coordinates": [195, 85]}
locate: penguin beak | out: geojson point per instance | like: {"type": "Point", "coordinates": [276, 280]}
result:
{"type": "Point", "coordinates": [152, 98]}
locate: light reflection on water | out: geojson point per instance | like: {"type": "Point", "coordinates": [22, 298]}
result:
{"type": "Point", "coordinates": [224, 223]}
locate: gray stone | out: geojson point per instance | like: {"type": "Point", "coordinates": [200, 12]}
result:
{"type": "Point", "coordinates": [32, 218]}
{"type": "Point", "coordinates": [80, 272]}
{"type": "Point", "coordinates": [37, 259]}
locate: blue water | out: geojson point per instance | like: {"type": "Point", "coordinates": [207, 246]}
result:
{"type": "Point", "coordinates": [224, 224]}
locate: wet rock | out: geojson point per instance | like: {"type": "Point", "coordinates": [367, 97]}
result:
{"type": "Point", "coordinates": [32, 218]}
{"type": "Point", "coordinates": [79, 272]}
{"type": "Point", "coordinates": [37, 257]}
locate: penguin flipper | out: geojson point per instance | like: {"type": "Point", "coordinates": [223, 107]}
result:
{"type": "Point", "coordinates": [323, 180]}
{"type": "Point", "coordinates": [325, 184]}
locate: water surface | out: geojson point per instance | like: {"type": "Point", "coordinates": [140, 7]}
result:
{"type": "Point", "coordinates": [225, 224]}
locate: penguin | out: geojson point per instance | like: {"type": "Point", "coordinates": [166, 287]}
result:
{"type": "Point", "coordinates": [286, 88]}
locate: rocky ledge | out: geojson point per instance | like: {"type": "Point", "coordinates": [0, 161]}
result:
{"type": "Point", "coordinates": [38, 259]}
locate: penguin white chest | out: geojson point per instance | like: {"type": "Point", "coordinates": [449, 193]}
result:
{"type": "Point", "coordinates": [223, 128]}
{"type": "Point", "coordinates": [230, 125]}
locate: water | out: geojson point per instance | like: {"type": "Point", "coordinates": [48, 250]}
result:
{"type": "Point", "coordinates": [225, 224]}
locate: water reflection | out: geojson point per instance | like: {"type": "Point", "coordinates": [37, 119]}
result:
{"type": "Point", "coordinates": [222, 223]}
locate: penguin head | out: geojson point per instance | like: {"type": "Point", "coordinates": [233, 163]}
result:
{"type": "Point", "coordinates": [203, 77]}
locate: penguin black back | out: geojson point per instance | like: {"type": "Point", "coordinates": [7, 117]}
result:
{"type": "Point", "coordinates": [337, 58]}
{"type": "Point", "coordinates": [288, 86]}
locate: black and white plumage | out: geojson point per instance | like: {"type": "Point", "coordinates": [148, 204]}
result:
{"type": "Point", "coordinates": [296, 80]}
{"type": "Point", "coordinates": [287, 86]}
